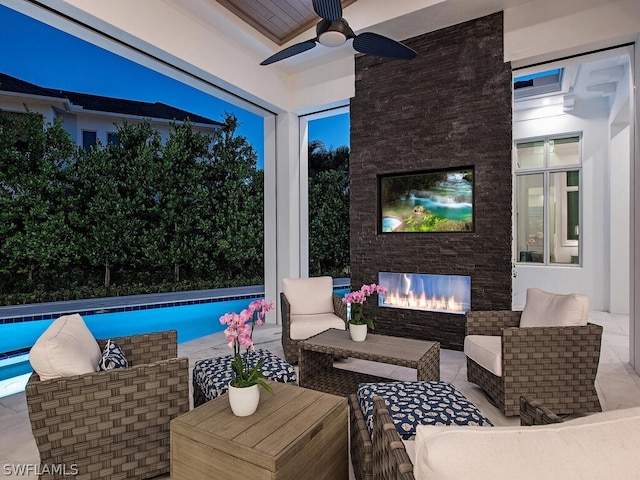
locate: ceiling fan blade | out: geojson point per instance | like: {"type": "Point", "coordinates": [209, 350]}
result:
{"type": "Point", "coordinates": [290, 52]}
{"type": "Point", "coordinates": [374, 44]}
{"type": "Point", "coordinates": [328, 9]}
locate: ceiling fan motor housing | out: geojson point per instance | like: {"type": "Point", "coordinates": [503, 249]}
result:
{"type": "Point", "coordinates": [333, 33]}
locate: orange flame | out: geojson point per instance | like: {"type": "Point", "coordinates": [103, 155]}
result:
{"type": "Point", "coordinates": [421, 302]}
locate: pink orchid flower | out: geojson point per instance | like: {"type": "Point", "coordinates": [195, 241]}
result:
{"type": "Point", "coordinates": [239, 334]}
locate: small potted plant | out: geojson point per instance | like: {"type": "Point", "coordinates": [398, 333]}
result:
{"type": "Point", "coordinates": [358, 324]}
{"type": "Point", "coordinates": [244, 394]}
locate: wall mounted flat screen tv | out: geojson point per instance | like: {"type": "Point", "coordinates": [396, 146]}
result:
{"type": "Point", "coordinates": [426, 201]}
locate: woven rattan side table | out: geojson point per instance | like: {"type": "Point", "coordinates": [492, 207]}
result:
{"type": "Point", "coordinates": [317, 353]}
{"type": "Point", "coordinates": [296, 433]}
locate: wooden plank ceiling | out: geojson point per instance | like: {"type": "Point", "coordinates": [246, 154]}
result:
{"type": "Point", "coordinates": [278, 20]}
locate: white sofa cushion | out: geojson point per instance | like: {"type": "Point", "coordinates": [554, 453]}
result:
{"type": "Point", "coordinates": [486, 351]}
{"type": "Point", "coordinates": [305, 326]}
{"type": "Point", "coordinates": [604, 445]}
{"type": "Point", "coordinates": [308, 296]}
{"type": "Point", "coordinates": [544, 309]}
{"type": "Point", "coordinates": [66, 348]}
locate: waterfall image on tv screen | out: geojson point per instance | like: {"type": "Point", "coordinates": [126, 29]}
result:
{"type": "Point", "coordinates": [434, 201]}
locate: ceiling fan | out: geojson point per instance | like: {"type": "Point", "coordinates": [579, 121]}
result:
{"type": "Point", "coordinates": [333, 31]}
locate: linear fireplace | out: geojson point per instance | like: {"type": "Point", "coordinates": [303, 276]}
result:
{"type": "Point", "coordinates": [419, 291]}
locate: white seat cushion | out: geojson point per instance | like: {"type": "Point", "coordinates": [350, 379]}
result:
{"type": "Point", "coordinates": [544, 309]}
{"type": "Point", "coordinates": [308, 296]}
{"type": "Point", "coordinates": [602, 446]}
{"type": "Point", "coordinates": [486, 351]}
{"type": "Point", "coordinates": [305, 326]}
{"type": "Point", "coordinates": [66, 348]}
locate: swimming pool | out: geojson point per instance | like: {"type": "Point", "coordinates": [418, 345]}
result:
{"type": "Point", "coordinates": [190, 320]}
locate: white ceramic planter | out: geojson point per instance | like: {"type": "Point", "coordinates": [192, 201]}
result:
{"type": "Point", "coordinates": [244, 401]}
{"type": "Point", "coordinates": [358, 332]}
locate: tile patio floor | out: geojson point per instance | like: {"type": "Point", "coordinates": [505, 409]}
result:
{"type": "Point", "coordinates": [617, 384]}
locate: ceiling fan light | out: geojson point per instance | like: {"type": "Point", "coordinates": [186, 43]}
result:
{"type": "Point", "coordinates": [332, 39]}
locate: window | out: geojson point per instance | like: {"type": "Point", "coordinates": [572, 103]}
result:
{"type": "Point", "coordinates": [548, 178]}
{"type": "Point", "coordinates": [112, 138]}
{"type": "Point", "coordinates": [538, 83]}
{"type": "Point", "coordinates": [89, 139]}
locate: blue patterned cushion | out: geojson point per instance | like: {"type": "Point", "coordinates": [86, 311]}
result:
{"type": "Point", "coordinates": [213, 374]}
{"type": "Point", "coordinates": [420, 403]}
{"type": "Point", "coordinates": [112, 357]}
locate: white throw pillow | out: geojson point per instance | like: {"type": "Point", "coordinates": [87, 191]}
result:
{"type": "Point", "coordinates": [66, 348]}
{"type": "Point", "coordinates": [544, 309]}
{"type": "Point", "coordinates": [308, 296]}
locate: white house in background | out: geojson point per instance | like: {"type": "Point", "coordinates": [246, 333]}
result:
{"type": "Point", "coordinates": [90, 119]}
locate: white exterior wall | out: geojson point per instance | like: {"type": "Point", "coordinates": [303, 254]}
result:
{"type": "Point", "coordinates": [74, 123]}
{"type": "Point", "coordinates": [591, 278]}
{"type": "Point", "coordinates": [619, 233]}
{"type": "Point", "coordinates": [620, 154]}
{"type": "Point", "coordinates": [16, 104]}
{"type": "Point", "coordinates": [103, 124]}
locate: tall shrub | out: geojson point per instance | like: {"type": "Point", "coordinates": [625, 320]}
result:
{"type": "Point", "coordinates": [328, 210]}
{"type": "Point", "coordinates": [114, 192]}
{"type": "Point", "coordinates": [132, 217]}
{"type": "Point", "coordinates": [35, 237]}
{"type": "Point", "coordinates": [232, 209]}
{"type": "Point", "coordinates": [180, 192]}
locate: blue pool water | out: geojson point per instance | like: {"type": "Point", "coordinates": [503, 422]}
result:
{"type": "Point", "coordinates": [191, 322]}
{"type": "Point", "coordinates": [19, 367]}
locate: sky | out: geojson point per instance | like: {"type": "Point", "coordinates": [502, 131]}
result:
{"type": "Point", "coordinates": [333, 131]}
{"type": "Point", "coordinates": [37, 53]}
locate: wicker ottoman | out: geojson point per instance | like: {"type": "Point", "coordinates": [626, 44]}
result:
{"type": "Point", "coordinates": [410, 404]}
{"type": "Point", "coordinates": [211, 376]}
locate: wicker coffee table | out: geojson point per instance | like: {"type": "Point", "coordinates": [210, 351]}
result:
{"type": "Point", "coordinates": [316, 369]}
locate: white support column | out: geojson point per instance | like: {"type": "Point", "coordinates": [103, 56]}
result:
{"type": "Point", "coordinates": [634, 241]}
{"type": "Point", "coordinates": [270, 218]}
{"type": "Point", "coordinates": [304, 196]}
{"type": "Point", "coordinates": [287, 205]}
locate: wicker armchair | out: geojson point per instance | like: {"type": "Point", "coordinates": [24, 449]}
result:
{"type": "Point", "coordinates": [533, 412]}
{"type": "Point", "coordinates": [557, 365]}
{"type": "Point", "coordinates": [316, 323]}
{"type": "Point", "coordinates": [112, 424]}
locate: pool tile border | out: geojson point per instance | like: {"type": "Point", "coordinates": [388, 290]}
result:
{"type": "Point", "coordinates": [128, 308]}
